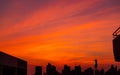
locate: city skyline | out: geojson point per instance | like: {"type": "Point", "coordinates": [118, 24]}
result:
{"type": "Point", "coordinates": [11, 65]}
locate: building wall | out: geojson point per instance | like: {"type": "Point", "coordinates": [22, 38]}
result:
{"type": "Point", "coordinates": [116, 48]}
{"type": "Point", "coordinates": [8, 60]}
{"type": "Point", "coordinates": [11, 65]}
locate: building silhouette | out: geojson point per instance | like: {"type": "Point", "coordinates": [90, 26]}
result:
{"type": "Point", "coordinates": [66, 70]}
{"type": "Point", "coordinates": [116, 45]}
{"type": "Point", "coordinates": [96, 72]}
{"type": "Point", "coordinates": [96, 64]}
{"type": "Point", "coordinates": [38, 70]}
{"type": "Point", "coordinates": [77, 70]}
{"type": "Point", "coordinates": [51, 70]}
{"type": "Point", "coordinates": [118, 72]}
{"type": "Point", "coordinates": [116, 48]}
{"type": "Point", "coordinates": [112, 71]}
{"type": "Point", "coordinates": [102, 72]}
{"type": "Point", "coordinates": [88, 71]}
{"type": "Point", "coordinates": [10, 65]}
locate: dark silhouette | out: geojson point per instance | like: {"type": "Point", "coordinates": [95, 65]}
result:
{"type": "Point", "coordinates": [102, 72]}
{"type": "Point", "coordinates": [96, 64]}
{"type": "Point", "coordinates": [66, 70]}
{"type": "Point", "coordinates": [10, 65]}
{"type": "Point", "coordinates": [88, 71]}
{"type": "Point", "coordinates": [116, 45]}
{"type": "Point", "coordinates": [38, 70]}
{"type": "Point", "coordinates": [51, 70]}
{"type": "Point", "coordinates": [111, 71]}
{"type": "Point", "coordinates": [77, 70]}
{"type": "Point", "coordinates": [118, 72]}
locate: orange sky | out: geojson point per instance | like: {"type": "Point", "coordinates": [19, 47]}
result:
{"type": "Point", "coordinates": [59, 31]}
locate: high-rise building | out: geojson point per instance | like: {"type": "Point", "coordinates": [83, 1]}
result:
{"type": "Point", "coordinates": [10, 65]}
{"type": "Point", "coordinates": [51, 69]}
{"type": "Point", "coordinates": [38, 70]}
{"type": "Point", "coordinates": [66, 70]}
{"type": "Point", "coordinates": [116, 48]}
{"type": "Point", "coordinates": [116, 44]}
{"type": "Point", "coordinates": [77, 70]}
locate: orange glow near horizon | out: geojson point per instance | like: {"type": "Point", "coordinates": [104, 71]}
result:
{"type": "Point", "coordinates": [59, 31]}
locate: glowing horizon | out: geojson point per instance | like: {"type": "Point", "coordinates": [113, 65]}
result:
{"type": "Point", "coordinates": [59, 31]}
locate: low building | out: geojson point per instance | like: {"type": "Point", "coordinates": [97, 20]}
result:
{"type": "Point", "coordinates": [10, 65]}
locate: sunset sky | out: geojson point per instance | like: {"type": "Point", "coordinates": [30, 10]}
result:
{"type": "Point", "coordinates": [59, 31]}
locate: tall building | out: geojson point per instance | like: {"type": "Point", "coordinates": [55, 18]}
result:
{"type": "Point", "coordinates": [51, 70]}
{"type": "Point", "coordinates": [38, 70]}
{"type": "Point", "coordinates": [116, 48]}
{"type": "Point", "coordinates": [116, 44]}
{"type": "Point", "coordinates": [66, 70]}
{"type": "Point", "coordinates": [77, 70]}
{"type": "Point", "coordinates": [10, 65]}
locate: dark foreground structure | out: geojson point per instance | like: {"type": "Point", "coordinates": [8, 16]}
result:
{"type": "Point", "coordinates": [51, 70]}
{"type": "Point", "coordinates": [116, 45]}
{"type": "Point", "coordinates": [38, 70]}
{"type": "Point", "coordinates": [10, 65]}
